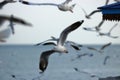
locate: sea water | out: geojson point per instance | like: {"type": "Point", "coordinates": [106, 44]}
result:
{"type": "Point", "coordinates": [21, 62]}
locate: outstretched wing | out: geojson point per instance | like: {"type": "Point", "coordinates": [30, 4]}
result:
{"type": "Point", "coordinates": [106, 45]}
{"type": "Point", "coordinates": [93, 12]}
{"type": "Point", "coordinates": [100, 24]}
{"type": "Point", "coordinates": [15, 19]}
{"type": "Point", "coordinates": [113, 27]}
{"type": "Point", "coordinates": [44, 59]}
{"type": "Point", "coordinates": [67, 30]}
{"type": "Point", "coordinates": [38, 4]}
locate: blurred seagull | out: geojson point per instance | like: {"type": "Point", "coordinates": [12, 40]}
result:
{"type": "Point", "coordinates": [60, 48]}
{"type": "Point", "coordinates": [6, 2]}
{"type": "Point", "coordinates": [88, 15]}
{"type": "Point", "coordinates": [109, 33]}
{"type": "Point", "coordinates": [63, 6]}
{"type": "Point", "coordinates": [84, 72]}
{"type": "Point", "coordinates": [105, 60]}
{"type": "Point", "coordinates": [101, 49]}
{"type": "Point", "coordinates": [96, 28]}
{"type": "Point", "coordinates": [4, 18]}
{"type": "Point", "coordinates": [79, 56]}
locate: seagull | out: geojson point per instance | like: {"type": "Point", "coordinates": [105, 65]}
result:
{"type": "Point", "coordinates": [4, 34]}
{"type": "Point", "coordinates": [88, 15]}
{"type": "Point", "coordinates": [60, 48]}
{"type": "Point", "coordinates": [85, 72]}
{"type": "Point", "coordinates": [79, 56]}
{"type": "Point", "coordinates": [101, 49]}
{"type": "Point", "coordinates": [62, 6]}
{"type": "Point", "coordinates": [6, 2]}
{"type": "Point", "coordinates": [109, 33]}
{"type": "Point", "coordinates": [96, 28]}
{"type": "Point", "coordinates": [105, 60]}
{"type": "Point", "coordinates": [4, 18]}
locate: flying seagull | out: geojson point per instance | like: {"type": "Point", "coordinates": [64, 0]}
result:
{"type": "Point", "coordinates": [85, 72]}
{"type": "Point", "coordinates": [101, 49]}
{"type": "Point", "coordinates": [62, 6]}
{"type": "Point", "coordinates": [109, 33]}
{"type": "Point", "coordinates": [89, 15]}
{"type": "Point", "coordinates": [79, 56]}
{"type": "Point", "coordinates": [4, 18]}
{"type": "Point", "coordinates": [60, 48]}
{"type": "Point", "coordinates": [96, 28]}
{"type": "Point", "coordinates": [6, 2]}
{"type": "Point", "coordinates": [105, 60]}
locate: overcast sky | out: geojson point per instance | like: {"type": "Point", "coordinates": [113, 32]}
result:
{"type": "Point", "coordinates": [50, 21]}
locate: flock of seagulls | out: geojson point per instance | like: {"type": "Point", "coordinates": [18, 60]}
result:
{"type": "Point", "coordinates": [61, 41]}
{"type": "Point", "coordinates": [98, 27]}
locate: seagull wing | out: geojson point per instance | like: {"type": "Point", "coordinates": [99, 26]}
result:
{"type": "Point", "coordinates": [15, 19]}
{"type": "Point", "coordinates": [113, 27]}
{"type": "Point", "coordinates": [67, 1]}
{"type": "Point", "coordinates": [93, 12]}
{"type": "Point", "coordinates": [91, 48]}
{"type": "Point", "coordinates": [107, 1]}
{"type": "Point", "coordinates": [49, 43]}
{"type": "Point", "coordinates": [44, 59]}
{"type": "Point", "coordinates": [67, 30]}
{"type": "Point", "coordinates": [100, 24]}
{"type": "Point", "coordinates": [39, 4]}
{"type": "Point", "coordinates": [106, 45]}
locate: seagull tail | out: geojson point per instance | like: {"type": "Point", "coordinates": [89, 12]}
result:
{"type": "Point", "coordinates": [71, 8]}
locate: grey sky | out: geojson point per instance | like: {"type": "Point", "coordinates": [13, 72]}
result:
{"type": "Point", "coordinates": [49, 21]}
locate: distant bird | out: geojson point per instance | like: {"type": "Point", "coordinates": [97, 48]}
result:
{"type": "Point", "coordinates": [62, 6]}
{"type": "Point", "coordinates": [84, 72]}
{"type": "Point", "coordinates": [109, 33]}
{"type": "Point", "coordinates": [4, 18]}
{"type": "Point", "coordinates": [60, 48]}
{"type": "Point", "coordinates": [96, 28]}
{"type": "Point", "coordinates": [105, 60]}
{"type": "Point", "coordinates": [81, 55]}
{"type": "Point", "coordinates": [101, 49]}
{"type": "Point", "coordinates": [3, 3]}
{"type": "Point", "coordinates": [89, 15]}
{"type": "Point", "coordinates": [4, 34]}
